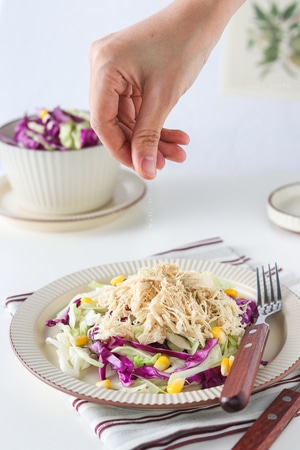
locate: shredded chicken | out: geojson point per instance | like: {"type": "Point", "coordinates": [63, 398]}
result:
{"type": "Point", "coordinates": [154, 301]}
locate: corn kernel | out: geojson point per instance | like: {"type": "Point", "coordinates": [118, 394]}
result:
{"type": "Point", "coordinates": [219, 333]}
{"type": "Point", "coordinates": [231, 292]}
{"type": "Point", "coordinates": [88, 300]}
{"type": "Point", "coordinates": [226, 365]}
{"type": "Point", "coordinates": [104, 383]}
{"type": "Point", "coordinates": [80, 340]}
{"type": "Point", "coordinates": [162, 363]}
{"type": "Point", "coordinates": [43, 113]}
{"type": "Point", "coordinates": [117, 280]}
{"type": "Point", "coordinates": [175, 386]}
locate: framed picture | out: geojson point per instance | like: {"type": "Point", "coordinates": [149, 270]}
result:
{"type": "Point", "coordinates": [262, 50]}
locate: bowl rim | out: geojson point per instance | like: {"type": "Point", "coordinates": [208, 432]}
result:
{"type": "Point", "coordinates": [283, 189]}
{"type": "Point", "coordinates": [285, 219]}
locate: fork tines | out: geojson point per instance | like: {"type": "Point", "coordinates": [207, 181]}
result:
{"type": "Point", "coordinates": [270, 297]}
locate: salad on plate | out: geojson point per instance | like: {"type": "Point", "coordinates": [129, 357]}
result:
{"type": "Point", "coordinates": [160, 330]}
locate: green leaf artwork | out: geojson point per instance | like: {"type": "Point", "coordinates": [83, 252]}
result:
{"type": "Point", "coordinates": [275, 32]}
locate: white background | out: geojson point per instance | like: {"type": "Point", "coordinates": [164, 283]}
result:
{"type": "Point", "coordinates": [43, 54]}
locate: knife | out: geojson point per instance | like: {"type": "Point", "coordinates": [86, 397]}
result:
{"type": "Point", "coordinates": [239, 383]}
{"type": "Point", "coordinates": [272, 422]}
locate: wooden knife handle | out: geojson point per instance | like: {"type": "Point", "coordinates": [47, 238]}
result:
{"type": "Point", "coordinates": [271, 423]}
{"type": "Point", "coordinates": [239, 383]}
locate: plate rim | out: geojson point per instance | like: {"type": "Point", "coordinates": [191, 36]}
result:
{"type": "Point", "coordinates": [43, 369]}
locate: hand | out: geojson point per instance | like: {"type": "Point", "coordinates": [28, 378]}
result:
{"type": "Point", "coordinates": [137, 76]}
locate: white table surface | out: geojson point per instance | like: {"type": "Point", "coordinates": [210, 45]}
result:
{"type": "Point", "coordinates": [179, 207]}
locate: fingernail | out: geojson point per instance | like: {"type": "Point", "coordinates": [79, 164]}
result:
{"type": "Point", "coordinates": [149, 166]}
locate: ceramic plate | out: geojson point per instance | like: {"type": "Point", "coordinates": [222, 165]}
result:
{"type": "Point", "coordinates": [28, 334]}
{"type": "Point", "coordinates": [130, 189]}
{"type": "Point", "coordinates": [284, 207]}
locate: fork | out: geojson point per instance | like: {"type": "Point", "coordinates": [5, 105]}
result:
{"type": "Point", "coordinates": [272, 421]}
{"type": "Point", "coordinates": [239, 383]}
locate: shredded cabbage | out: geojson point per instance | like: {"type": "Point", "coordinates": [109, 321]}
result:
{"type": "Point", "coordinates": [55, 130]}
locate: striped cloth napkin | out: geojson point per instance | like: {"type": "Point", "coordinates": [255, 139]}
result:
{"type": "Point", "coordinates": [130, 429]}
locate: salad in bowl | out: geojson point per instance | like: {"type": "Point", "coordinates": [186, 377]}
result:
{"type": "Point", "coordinates": [55, 164]}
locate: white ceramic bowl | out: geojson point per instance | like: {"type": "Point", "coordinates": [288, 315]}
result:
{"type": "Point", "coordinates": [283, 207]}
{"type": "Point", "coordinates": [58, 182]}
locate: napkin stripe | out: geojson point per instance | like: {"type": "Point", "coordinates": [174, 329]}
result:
{"type": "Point", "coordinates": [219, 432]}
{"type": "Point", "coordinates": [205, 437]}
{"type": "Point", "coordinates": [78, 402]}
{"type": "Point", "coordinates": [204, 243]}
{"type": "Point", "coordinates": [105, 424]}
{"type": "Point", "coordinates": [196, 244]}
{"type": "Point", "coordinates": [204, 434]}
{"type": "Point", "coordinates": [79, 405]}
{"type": "Point", "coordinates": [16, 298]}
{"type": "Point", "coordinates": [237, 261]}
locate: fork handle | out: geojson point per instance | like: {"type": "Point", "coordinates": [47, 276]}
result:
{"type": "Point", "coordinates": [239, 383]}
{"type": "Point", "coordinates": [271, 423]}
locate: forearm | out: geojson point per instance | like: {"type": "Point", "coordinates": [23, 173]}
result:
{"type": "Point", "coordinates": [222, 10]}
{"type": "Point", "coordinates": [185, 29]}
{"type": "Point", "coordinates": [204, 18]}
